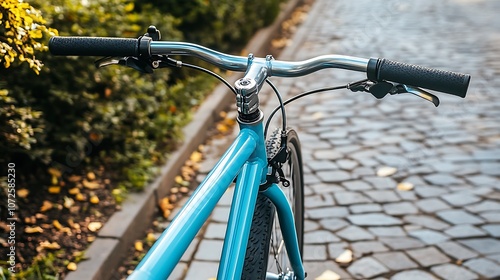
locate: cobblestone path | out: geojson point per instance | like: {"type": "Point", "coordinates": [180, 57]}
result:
{"type": "Point", "coordinates": [448, 225]}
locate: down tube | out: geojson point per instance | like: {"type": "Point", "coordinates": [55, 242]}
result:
{"type": "Point", "coordinates": [171, 245]}
{"type": "Point", "coordinates": [240, 220]}
{"type": "Point", "coordinates": [287, 224]}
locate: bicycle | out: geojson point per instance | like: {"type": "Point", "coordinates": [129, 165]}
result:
{"type": "Point", "coordinates": [265, 219]}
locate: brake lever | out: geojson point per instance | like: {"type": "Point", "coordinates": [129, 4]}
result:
{"type": "Point", "coordinates": [129, 61]}
{"type": "Point", "coordinates": [401, 88]}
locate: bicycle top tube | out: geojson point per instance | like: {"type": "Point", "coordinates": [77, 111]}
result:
{"type": "Point", "coordinates": [276, 67]}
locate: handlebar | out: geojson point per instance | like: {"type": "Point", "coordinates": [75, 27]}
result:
{"type": "Point", "coordinates": [376, 69]}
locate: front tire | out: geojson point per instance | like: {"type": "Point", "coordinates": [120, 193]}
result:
{"type": "Point", "coordinates": [265, 238]}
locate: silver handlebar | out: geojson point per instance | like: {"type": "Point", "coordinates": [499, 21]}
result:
{"type": "Point", "coordinates": [277, 68]}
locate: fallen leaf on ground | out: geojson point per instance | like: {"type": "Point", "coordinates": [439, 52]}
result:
{"type": "Point", "coordinates": [91, 176]}
{"type": "Point", "coordinates": [90, 185]}
{"type": "Point", "coordinates": [48, 245]}
{"type": "Point", "coordinates": [54, 172]}
{"type": "Point", "coordinates": [68, 202]}
{"type": "Point", "coordinates": [22, 193]}
{"type": "Point", "coordinates": [74, 191]}
{"type": "Point", "coordinates": [94, 199]}
{"type": "Point", "coordinates": [47, 205]}
{"type": "Point", "coordinates": [328, 275]}
{"type": "Point", "coordinates": [386, 171]}
{"type": "Point", "coordinates": [196, 156]}
{"type": "Point", "coordinates": [94, 226]}
{"type": "Point", "coordinates": [151, 237]}
{"type": "Point", "coordinates": [345, 257]}
{"type": "Point", "coordinates": [138, 246]}
{"type": "Point", "coordinates": [54, 189]}
{"type": "Point", "coordinates": [80, 197]}
{"type": "Point", "coordinates": [405, 186]}
{"type": "Point", "coordinates": [57, 224]}
{"type": "Point", "coordinates": [71, 266]}
{"type": "Point", "coordinates": [36, 229]}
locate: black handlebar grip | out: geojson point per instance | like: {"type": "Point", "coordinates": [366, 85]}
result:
{"type": "Point", "coordinates": [94, 46]}
{"type": "Point", "coordinates": [414, 75]}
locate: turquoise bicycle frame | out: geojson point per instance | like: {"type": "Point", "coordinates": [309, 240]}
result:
{"type": "Point", "coordinates": [245, 160]}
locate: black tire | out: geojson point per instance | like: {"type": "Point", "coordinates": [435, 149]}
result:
{"type": "Point", "coordinates": [265, 226]}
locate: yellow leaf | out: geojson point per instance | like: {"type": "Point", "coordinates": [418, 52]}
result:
{"type": "Point", "coordinates": [54, 180]}
{"type": "Point", "coordinates": [386, 171]}
{"type": "Point", "coordinates": [166, 213]}
{"type": "Point", "coordinates": [129, 7]}
{"type": "Point", "coordinates": [90, 238]}
{"type": "Point", "coordinates": [36, 229]}
{"type": "Point", "coordinates": [80, 197]}
{"type": "Point", "coordinates": [222, 128]}
{"type": "Point", "coordinates": [345, 257]}
{"type": "Point", "coordinates": [48, 245]}
{"type": "Point", "coordinates": [46, 206]}
{"type": "Point", "coordinates": [74, 191]}
{"type": "Point", "coordinates": [54, 172]}
{"type": "Point", "coordinates": [405, 186]}
{"type": "Point", "coordinates": [94, 226]}
{"type": "Point", "coordinates": [164, 204]}
{"type": "Point", "coordinates": [178, 179]}
{"type": "Point", "coordinates": [91, 176]}
{"type": "Point", "coordinates": [54, 189]}
{"type": "Point", "coordinates": [71, 266]}
{"type": "Point", "coordinates": [94, 199]}
{"type": "Point", "coordinates": [151, 237]}
{"type": "Point", "coordinates": [74, 178]}
{"type": "Point", "coordinates": [68, 202]}
{"type": "Point", "coordinates": [90, 185]}
{"type": "Point", "coordinates": [196, 156]}
{"type": "Point", "coordinates": [22, 193]}
{"type": "Point", "coordinates": [57, 224]}
{"type": "Point", "coordinates": [138, 246]}
{"type": "Point", "coordinates": [328, 275]}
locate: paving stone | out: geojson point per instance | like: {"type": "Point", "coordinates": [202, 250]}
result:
{"type": "Point", "coordinates": [347, 164]}
{"type": "Point", "coordinates": [442, 179]}
{"type": "Point", "coordinates": [383, 196]}
{"type": "Point", "coordinates": [400, 208]}
{"type": "Point", "coordinates": [452, 271]}
{"type": "Point", "coordinates": [464, 231]}
{"type": "Point", "coordinates": [363, 171]}
{"type": "Point", "coordinates": [456, 251]}
{"type": "Point", "coordinates": [407, 195]}
{"type": "Point", "coordinates": [333, 224]}
{"type": "Point", "coordinates": [427, 191]}
{"type": "Point", "coordinates": [350, 198]}
{"type": "Point", "coordinates": [431, 205]}
{"type": "Point", "coordinates": [188, 254]}
{"type": "Point", "coordinates": [493, 230]}
{"type": "Point", "coordinates": [336, 249]}
{"type": "Point", "coordinates": [366, 267]}
{"type": "Point", "coordinates": [460, 198]}
{"type": "Point", "coordinates": [315, 201]}
{"type": "Point", "coordinates": [328, 154]}
{"type": "Point", "coordinates": [413, 275]}
{"type": "Point", "coordinates": [311, 178]}
{"type": "Point", "coordinates": [356, 185]}
{"type": "Point", "coordinates": [365, 208]}
{"type": "Point", "coordinates": [354, 233]}
{"type": "Point", "coordinates": [429, 236]}
{"type": "Point", "coordinates": [395, 260]}
{"type": "Point", "coordinates": [458, 217]}
{"type": "Point", "coordinates": [320, 165]}
{"type": "Point", "coordinates": [387, 231]}
{"type": "Point", "coordinates": [320, 237]}
{"type": "Point", "coordinates": [209, 250]}
{"type": "Point", "coordinates": [484, 206]}
{"type": "Point", "coordinates": [178, 272]}
{"type": "Point", "coordinates": [327, 212]}
{"type": "Point", "coordinates": [484, 267]}
{"type": "Point", "coordinates": [322, 188]}
{"type": "Point", "coordinates": [215, 231]}
{"type": "Point", "coordinates": [202, 270]}
{"type": "Point", "coordinates": [316, 269]}
{"type": "Point", "coordinates": [220, 214]}
{"type": "Point", "coordinates": [401, 243]}
{"type": "Point", "coordinates": [362, 248]}
{"type": "Point", "coordinates": [426, 221]}
{"type": "Point", "coordinates": [483, 245]}
{"type": "Point", "coordinates": [373, 219]}
{"type": "Point", "coordinates": [428, 256]}
{"type": "Point", "coordinates": [381, 182]}
{"type": "Point", "coordinates": [310, 225]}
{"type": "Point", "coordinates": [481, 180]}
{"type": "Point", "coordinates": [491, 216]}
{"type": "Point", "coordinates": [335, 176]}
{"type": "Point", "coordinates": [314, 252]}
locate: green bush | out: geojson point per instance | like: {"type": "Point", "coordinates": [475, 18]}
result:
{"type": "Point", "coordinates": [72, 116]}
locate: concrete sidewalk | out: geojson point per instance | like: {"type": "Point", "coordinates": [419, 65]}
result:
{"type": "Point", "coordinates": [447, 225]}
